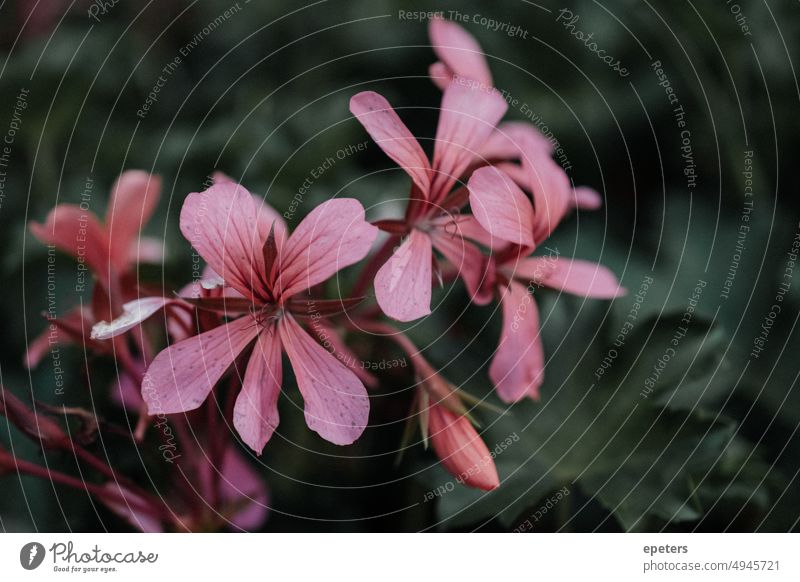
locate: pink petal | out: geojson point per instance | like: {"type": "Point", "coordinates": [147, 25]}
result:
{"type": "Point", "coordinates": [255, 414]}
{"type": "Point", "coordinates": [336, 402]}
{"type": "Point", "coordinates": [571, 275]}
{"type": "Point", "coordinates": [227, 226]}
{"type": "Point", "coordinates": [330, 340]}
{"type": "Point", "coordinates": [79, 234]}
{"type": "Point", "coordinates": [468, 116]}
{"type": "Point", "coordinates": [133, 313]}
{"type": "Point", "coordinates": [126, 392]}
{"type": "Point", "coordinates": [149, 250]}
{"type": "Point", "coordinates": [243, 487]}
{"type": "Point", "coordinates": [440, 74]}
{"type": "Point", "coordinates": [387, 130]}
{"type": "Point", "coordinates": [500, 206]}
{"type": "Point", "coordinates": [586, 198]}
{"type": "Point", "coordinates": [181, 376]}
{"type": "Point", "coordinates": [517, 369]}
{"type": "Point", "coordinates": [459, 51]}
{"type": "Point", "coordinates": [472, 265]}
{"type": "Point", "coordinates": [472, 230]}
{"type": "Point", "coordinates": [134, 197]}
{"type": "Point", "coordinates": [403, 283]}
{"type": "Point", "coordinates": [513, 140]}
{"type": "Point", "coordinates": [552, 192]}
{"type": "Point", "coordinates": [461, 449]}
{"type": "Point", "coordinates": [333, 236]}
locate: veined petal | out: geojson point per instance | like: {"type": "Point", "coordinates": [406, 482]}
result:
{"type": "Point", "coordinates": [571, 275]}
{"type": "Point", "coordinates": [469, 114]}
{"type": "Point", "coordinates": [385, 127]}
{"type": "Point", "coordinates": [403, 283]}
{"type": "Point", "coordinates": [134, 197]}
{"type": "Point", "coordinates": [471, 263]}
{"type": "Point", "coordinates": [181, 376]}
{"type": "Point", "coordinates": [255, 414]}
{"type": "Point", "coordinates": [336, 402]}
{"type": "Point", "coordinates": [459, 51]}
{"type": "Point", "coordinates": [227, 226]}
{"type": "Point", "coordinates": [333, 236]}
{"type": "Point", "coordinates": [517, 369]}
{"type": "Point", "coordinates": [79, 234]}
{"type": "Point", "coordinates": [500, 206]}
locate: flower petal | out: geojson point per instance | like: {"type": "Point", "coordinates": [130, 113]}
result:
{"type": "Point", "coordinates": [471, 263]}
{"type": "Point", "coordinates": [181, 376]}
{"type": "Point", "coordinates": [469, 114]}
{"type": "Point", "coordinates": [385, 127]}
{"type": "Point", "coordinates": [440, 74]}
{"type": "Point", "coordinates": [336, 402]}
{"type": "Point", "coordinates": [586, 198]}
{"type": "Point", "coordinates": [79, 234]}
{"type": "Point", "coordinates": [500, 206]}
{"type": "Point", "coordinates": [227, 226]}
{"type": "Point", "coordinates": [459, 51]}
{"type": "Point", "coordinates": [133, 313]}
{"type": "Point", "coordinates": [134, 197]}
{"type": "Point", "coordinates": [333, 236]}
{"type": "Point", "coordinates": [403, 283]}
{"type": "Point", "coordinates": [571, 275]}
{"type": "Point", "coordinates": [255, 414]}
{"type": "Point", "coordinates": [517, 369]}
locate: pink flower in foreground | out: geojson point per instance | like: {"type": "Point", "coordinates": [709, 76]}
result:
{"type": "Point", "coordinates": [468, 117]}
{"type": "Point", "coordinates": [244, 242]}
{"type": "Point", "coordinates": [503, 209]}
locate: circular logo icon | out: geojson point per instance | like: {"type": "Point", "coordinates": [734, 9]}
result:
{"type": "Point", "coordinates": [31, 555]}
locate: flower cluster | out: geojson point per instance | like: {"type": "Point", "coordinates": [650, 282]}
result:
{"type": "Point", "coordinates": [489, 196]}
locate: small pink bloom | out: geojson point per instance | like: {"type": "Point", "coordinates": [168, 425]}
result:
{"type": "Point", "coordinates": [468, 116]}
{"type": "Point", "coordinates": [109, 248]}
{"type": "Point", "coordinates": [506, 213]}
{"type": "Point", "coordinates": [245, 243]}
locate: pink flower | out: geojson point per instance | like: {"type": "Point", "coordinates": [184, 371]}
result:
{"type": "Point", "coordinates": [506, 213]}
{"type": "Point", "coordinates": [468, 117]}
{"type": "Point", "coordinates": [110, 248]}
{"type": "Point", "coordinates": [461, 58]}
{"type": "Point", "coordinates": [245, 242]}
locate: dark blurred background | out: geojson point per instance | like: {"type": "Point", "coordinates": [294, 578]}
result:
{"type": "Point", "coordinates": [263, 96]}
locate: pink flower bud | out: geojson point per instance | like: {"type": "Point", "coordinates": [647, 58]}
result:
{"type": "Point", "coordinates": [461, 449]}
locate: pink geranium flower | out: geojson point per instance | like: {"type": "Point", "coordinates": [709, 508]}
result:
{"type": "Point", "coordinates": [468, 117]}
{"type": "Point", "coordinates": [247, 245]}
{"type": "Point", "coordinates": [507, 214]}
